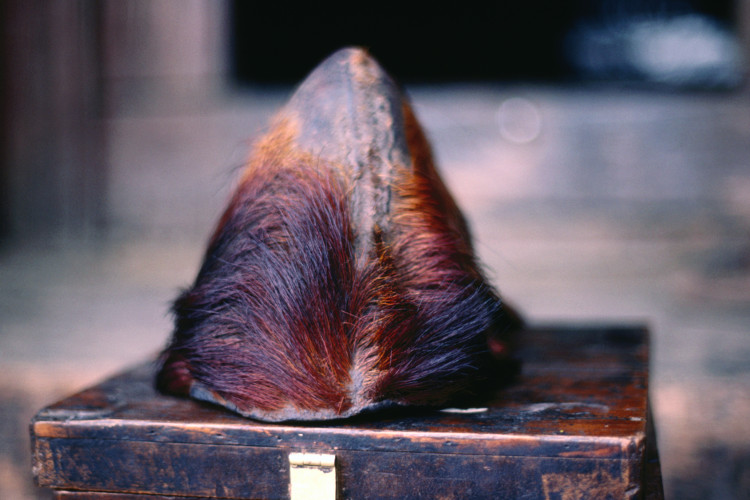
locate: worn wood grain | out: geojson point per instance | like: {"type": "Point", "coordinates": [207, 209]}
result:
{"type": "Point", "coordinates": [573, 422]}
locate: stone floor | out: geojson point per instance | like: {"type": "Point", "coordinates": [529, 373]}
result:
{"type": "Point", "coordinates": [587, 204]}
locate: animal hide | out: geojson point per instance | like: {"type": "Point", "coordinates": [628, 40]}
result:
{"type": "Point", "coordinates": [341, 277]}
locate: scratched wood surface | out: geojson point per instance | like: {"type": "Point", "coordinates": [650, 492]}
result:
{"type": "Point", "coordinates": [574, 423]}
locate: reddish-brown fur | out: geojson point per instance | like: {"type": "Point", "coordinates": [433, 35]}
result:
{"type": "Point", "coordinates": [288, 319]}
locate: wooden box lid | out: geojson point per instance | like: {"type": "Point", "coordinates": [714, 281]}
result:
{"type": "Point", "coordinates": [573, 425]}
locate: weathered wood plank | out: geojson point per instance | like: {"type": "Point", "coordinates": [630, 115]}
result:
{"type": "Point", "coordinates": [252, 472]}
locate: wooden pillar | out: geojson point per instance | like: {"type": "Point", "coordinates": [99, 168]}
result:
{"type": "Point", "coordinates": [53, 165]}
{"type": "Point", "coordinates": [161, 57]}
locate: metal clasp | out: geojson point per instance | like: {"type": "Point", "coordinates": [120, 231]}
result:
{"type": "Point", "coordinates": [312, 476]}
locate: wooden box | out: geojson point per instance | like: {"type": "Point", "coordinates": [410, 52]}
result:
{"type": "Point", "coordinates": [575, 424]}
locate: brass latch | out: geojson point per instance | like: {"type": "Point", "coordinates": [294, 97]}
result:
{"type": "Point", "coordinates": [312, 476]}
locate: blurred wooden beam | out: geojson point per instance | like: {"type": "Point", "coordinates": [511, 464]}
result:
{"type": "Point", "coordinates": [53, 164]}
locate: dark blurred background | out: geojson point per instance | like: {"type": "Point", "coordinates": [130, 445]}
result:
{"type": "Point", "coordinates": [498, 42]}
{"type": "Point", "coordinates": [600, 149]}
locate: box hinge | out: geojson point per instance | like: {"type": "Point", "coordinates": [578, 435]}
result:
{"type": "Point", "coordinates": [312, 476]}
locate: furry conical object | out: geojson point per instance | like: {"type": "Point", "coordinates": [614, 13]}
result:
{"type": "Point", "coordinates": [341, 277]}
